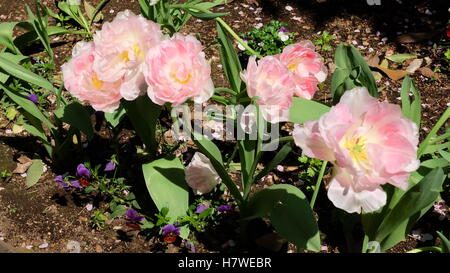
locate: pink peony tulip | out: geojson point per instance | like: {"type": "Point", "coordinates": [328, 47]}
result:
{"type": "Point", "coordinates": [270, 81]}
{"type": "Point", "coordinates": [177, 70]}
{"type": "Point", "coordinates": [306, 66]}
{"type": "Point", "coordinates": [121, 47]}
{"type": "Point", "coordinates": [82, 82]}
{"type": "Point", "coordinates": [201, 175]}
{"type": "Point", "coordinates": [370, 143]}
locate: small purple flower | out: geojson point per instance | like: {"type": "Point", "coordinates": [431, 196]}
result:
{"type": "Point", "coordinates": [201, 208]}
{"type": "Point", "coordinates": [190, 245]}
{"type": "Point", "coordinates": [133, 216]}
{"type": "Point", "coordinates": [224, 208]}
{"type": "Point", "coordinates": [60, 180]}
{"type": "Point", "coordinates": [76, 184]}
{"type": "Point", "coordinates": [282, 29]}
{"type": "Point", "coordinates": [83, 171]}
{"type": "Point", "coordinates": [171, 229]}
{"type": "Point", "coordinates": [110, 166]}
{"type": "Point", "coordinates": [33, 98]}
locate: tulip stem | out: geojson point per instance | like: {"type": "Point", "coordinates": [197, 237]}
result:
{"type": "Point", "coordinates": [318, 183]}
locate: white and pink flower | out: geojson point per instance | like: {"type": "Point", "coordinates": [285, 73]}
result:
{"type": "Point", "coordinates": [82, 82]}
{"type": "Point", "coordinates": [271, 83]}
{"type": "Point", "coordinates": [370, 143]}
{"type": "Point", "coordinates": [201, 175]}
{"type": "Point", "coordinates": [121, 47]}
{"type": "Point", "coordinates": [176, 70]}
{"type": "Point", "coordinates": [306, 67]}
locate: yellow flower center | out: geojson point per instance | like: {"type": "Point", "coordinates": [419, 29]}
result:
{"type": "Point", "coordinates": [356, 147]}
{"type": "Point", "coordinates": [182, 81]}
{"type": "Point", "coordinates": [96, 82]}
{"type": "Point", "coordinates": [138, 52]}
{"type": "Point", "coordinates": [292, 66]}
{"type": "Point", "coordinates": [124, 56]}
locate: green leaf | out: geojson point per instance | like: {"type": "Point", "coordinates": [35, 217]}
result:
{"type": "Point", "coordinates": [289, 212]}
{"type": "Point", "coordinates": [39, 24]}
{"type": "Point", "coordinates": [246, 156]}
{"type": "Point", "coordinates": [444, 242]}
{"type": "Point", "coordinates": [11, 113]}
{"type": "Point", "coordinates": [303, 110]}
{"type": "Point", "coordinates": [206, 16]}
{"type": "Point", "coordinates": [27, 105]}
{"type": "Point", "coordinates": [279, 157]}
{"type": "Point", "coordinates": [165, 180]}
{"type": "Point", "coordinates": [6, 35]}
{"type": "Point", "coordinates": [78, 116]}
{"type": "Point", "coordinates": [114, 118]}
{"type": "Point", "coordinates": [118, 212]}
{"type": "Point", "coordinates": [22, 73]}
{"type": "Point", "coordinates": [399, 58]}
{"type": "Point", "coordinates": [208, 148]}
{"type": "Point", "coordinates": [351, 71]}
{"type": "Point", "coordinates": [411, 110]}
{"type": "Point", "coordinates": [230, 60]}
{"type": "Point", "coordinates": [143, 114]}
{"type": "Point", "coordinates": [34, 173]}
{"type": "Point", "coordinates": [419, 197]}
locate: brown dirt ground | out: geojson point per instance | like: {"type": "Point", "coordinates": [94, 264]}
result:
{"type": "Point", "coordinates": [46, 214]}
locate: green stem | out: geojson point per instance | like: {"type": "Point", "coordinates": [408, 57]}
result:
{"type": "Point", "coordinates": [226, 90]}
{"type": "Point", "coordinates": [433, 131]}
{"type": "Point", "coordinates": [227, 165]}
{"type": "Point", "coordinates": [319, 181]}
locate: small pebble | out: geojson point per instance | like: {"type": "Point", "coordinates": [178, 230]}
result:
{"type": "Point", "coordinates": [44, 245]}
{"type": "Point", "coordinates": [289, 8]}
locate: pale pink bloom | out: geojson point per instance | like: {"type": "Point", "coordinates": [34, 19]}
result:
{"type": "Point", "coordinates": [369, 142]}
{"type": "Point", "coordinates": [272, 85]}
{"type": "Point", "coordinates": [201, 175]}
{"type": "Point", "coordinates": [82, 82]}
{"type": "Point", "coordinates": [176, 70]}
{"type": "Point", "coordinates": [306, 65]}
{"type": "Point", "coordinates": [121, 47]}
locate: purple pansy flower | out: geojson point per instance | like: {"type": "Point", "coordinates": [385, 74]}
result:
{"type": "Point", "coordinates": [201, 208]}
{"type": "Point", "coordinates": [83, 171]}
{"type": "Point", "coordinates": [60, 180]}
{"type": "Point", "coordinates": [33, 98]}
{"type": "Point", "coordinates": [110, 166]}
{"type": "Point", "coordinates": [282, 29]}
{"type": "Point", "coordinates": [171, 229]}
{"type": "Point", "coordinates": [190, 245]}
{"type": "Point", "coordinates": [224, 208]}
{"type": "Point", "coordinates": [76, 184]}
{"type": "Point", "coordinates": [133, 216]}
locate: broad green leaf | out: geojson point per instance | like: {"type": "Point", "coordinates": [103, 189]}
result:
{"type": "Point", "coordinates": [230, 60]}
{"type": "Point", "coordinates": [206, 16]}
{"type": "Point", "coordinates": [34, 173]}
{"type": "Point", "coordinates": [78, 116]}
{"type": "Point", "coordinates": [22, 73]}
{"type": "Point", "coordinates": [351, 71]}
{"type": "Point", "coordinates": [436, 162]}
{"type": "Point", "coordinates": [165, 180]}
{"type": "Point", "coordinates": [289, 212]}
{"type": "Point", "coordinates": [39, 132]}
{"type": "Point", "coordinates": [118, 212]}
{"type": "Point", "coordinates": [6, 36]}
{"type": "Point", "coordinates": [416, 199]}
{"type": "Point", "coordinates": [115, 117]}
{"type": "Point", "coordinates": [444, 242]}
{"type": "Point", "coordinates": [246, 156]}
{"type": "Point", "coordinates": [39, 24]}
{"type": "Point", "coordinates": [399, 58]}
{"type": "Point", "coordinates": [27, 105]}
{"type": "Point", "coordinates": [208, 5]}
{"type": "Point", "coordinates": [11, 113]}
{"type": "Point", "coordinates": [303, 110]}
{"type": "Point", "coordinates": [143, 114]}
{"type": "Point", "coordinates": [279, 157]}
{"type": "Point", "coordinates": [411, 109]}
